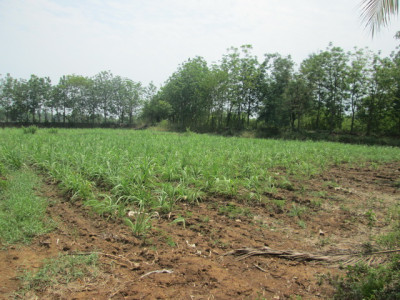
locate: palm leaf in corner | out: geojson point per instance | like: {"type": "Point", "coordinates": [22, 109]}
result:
{"type": "Point", "coordinates": [377, 13]}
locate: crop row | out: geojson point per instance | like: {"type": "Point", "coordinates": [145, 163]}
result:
{"type": "Point", "coordinates": [119, 170]}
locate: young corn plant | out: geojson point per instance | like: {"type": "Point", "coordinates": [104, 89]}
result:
{"type": "Point", "coordinates": [297, 211]}
{"type": "Point", "coordinates": [141, 225]}
{"type": "Point", "coordinates": [164, 203]}
{"type": "Point", "coordinates": [225, 186]}
{"type": "Point", "coordinates": [108, 207]}
{"type": "Point", "coordinates": [76, 186]}
{"type": "Point", "coordinates": [180, 220]}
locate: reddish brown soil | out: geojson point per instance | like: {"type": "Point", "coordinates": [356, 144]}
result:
{"type": "Point", "coordinates": [335, 220]}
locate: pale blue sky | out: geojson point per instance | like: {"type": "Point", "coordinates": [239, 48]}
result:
{"type": "Point", "coordinates": [147, 40]}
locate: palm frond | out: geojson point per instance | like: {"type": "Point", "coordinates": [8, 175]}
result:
{"type": "Point", "coordinates": [338, 259]}
{"type": "Point", "coordinates": [377, 13]}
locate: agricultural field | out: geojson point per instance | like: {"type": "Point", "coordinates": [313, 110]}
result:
{"type": "Point", "coordinates": [125, 214]}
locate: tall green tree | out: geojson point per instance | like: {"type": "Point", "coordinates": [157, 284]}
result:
{"type": "Point", "coordinates": [249, 75]}
{"type": "Point", "coordinates": [336, 72]}
{"type": "Point", "coordinates": [374, 112]}
{"type": "Point", "coordinates": [230, 64]}
{"type": "Point", "coordinates": [277, 73]}
{"type": "Point", "coordinates": [357, 82]}
{"type": "Point", "coordinates": [219, 85]}
{"type": "Point", "coordinates": [312, 70]}
{"type": "Point", "coordinates": [156, 110]}
{"type": "Point", "coordinates": [38, 90]}
{"type": "Point", "coordinates": [326, 74]}
{"type": "Point", "coordinates": [128, 97]}
{"type": "Point", "coordinates": [395, 106]}
{"type": "Point", "coordinates": [7, 96]}
{"type": "Point", "coordinates": [188, 94]}
{"type": "Point", "coordinates": [297, 100]}
{"type": "Point", "coordinates": [105, 92]}
{"type": "Point", "coordinates": [75, 88]}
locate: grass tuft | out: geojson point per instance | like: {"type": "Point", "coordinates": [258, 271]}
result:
{"type": "Point", "coordinates": [22, 213]}
{"type": "Point", "coordinates": [30, 130]}
{"type": "Point", "coordinates": [61, 270]}
{"type": "Point", "coordinates": [364, 282]}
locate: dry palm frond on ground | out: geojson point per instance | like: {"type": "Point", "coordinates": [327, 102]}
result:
{"type": "Point", "coordinates": [342, 259]}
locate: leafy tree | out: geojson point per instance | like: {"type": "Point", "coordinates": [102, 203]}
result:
{"type": "Point", "coordinates": [297, 99]}
{"type": "Point", "coordinates": [218, 81]}
{"type": "Point", "coordinates": [241, 70]}
{"type": "Point", "coordinates": [105, 92]}
{"type": "Point", "coordinates": [37, 93]}
{"type": "Point", "coordinates": [157, 110]}
{"type": "Point", "coordinates": [356, 80]}
{"type": "Point", "coordinates": [326, 74]}
{"type": "Point", "coordinates": [277, 72]}
{"type": "Point", "coordinates": [187, 93]}
{"type": "Point", "coordinates": [135, 97]}
{"type": "Point", "coordinates": [62, 101]}
{"type": "Point", "coordinates": [20, 110]}
{"type": "Point", "coordinates": [336, 71]}
{"type": "Point", "coordinates": [230, 64]}
{"type": "Point", "coordinates": [75, 90]}
{"type": "Point", "coordinates": [121, 97]}
{"type": "Point", "coordinates": [7, 95]}
{"type": "Point", "coordinates": [249, 75]}
{"type": "Point", "coordinates": [374, 110]}
{"type": "Point", "coordinates": [312, 70]}
{"type": "Point", "coordinates": [395, 107]}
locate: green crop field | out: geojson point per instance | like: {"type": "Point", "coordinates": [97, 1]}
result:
{"type": "Point", "coordinates": [119, 170]}
{"type": "Point", "coordinates": [191, 194]}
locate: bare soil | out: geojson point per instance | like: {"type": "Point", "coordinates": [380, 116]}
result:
{"type": "Point", "coordinates": [344, 209]}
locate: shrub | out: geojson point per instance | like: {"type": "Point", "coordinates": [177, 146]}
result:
{"type": "Point", "coordinates": [30, 130]}
{"type": "Point", "coordinates": [53, 130]}
{"type": "Point", "coordinates": [364, 282]}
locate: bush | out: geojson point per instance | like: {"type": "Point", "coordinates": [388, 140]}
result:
{"type": "Point", "coordinates": [364, 282]}
{"type": "Point", "coordinates": [30, 130]}
{"type": "Point", "coordinates": [53, 130]}
{"type": "Point", "coordinates": [268, 132]}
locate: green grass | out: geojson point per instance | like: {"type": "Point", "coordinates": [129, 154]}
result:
{"type": "Point", "coordinates": [61, 270]}
{"type": "Point", "coordinates": [22, 213]}
{"type": "Point", "coordinates": [153, 170]}
{"type": "Point", "coordinates": [364, 282]}
{"type": "Point", "coordinates": [233, 211]}
{"type": "Point", "coordinates": [30, 130]}
{"type": "Point", "coordinates": [297, 211]}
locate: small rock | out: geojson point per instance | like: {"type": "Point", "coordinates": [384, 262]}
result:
{"type": "Point", "coordinates": [132, 213]}
{"type": "Point", "coordinates": [238, 220]}
{"type": "Point", "coordinates": [136, 266]}
{"type": "Point", "coordinates": [190, 245]}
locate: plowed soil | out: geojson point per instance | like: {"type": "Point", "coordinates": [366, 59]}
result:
{"type": "Point", "coordinates": [343, 210]}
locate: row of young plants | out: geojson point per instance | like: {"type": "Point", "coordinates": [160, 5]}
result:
{"type": "Point", "coordinates": [116, 171]}
{"type": "Point", "coordinates": [22, 213]}
{"type": "Point", "coordinates": [121, 173]}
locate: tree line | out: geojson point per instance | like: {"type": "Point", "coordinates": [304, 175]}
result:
{"type": "Point", "coordinates": [75, 99]}
{"type": "Point", "coordinates": [333, 90]}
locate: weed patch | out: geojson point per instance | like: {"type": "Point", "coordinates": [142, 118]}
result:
{"type": "Point", "coordinates": [30, 130]}
{"type": "Point", "coordinates": [233, 211]}
{"type": "Point", "coordinates": [22, 213]}
{"type": "Point", "coordinates": [61, 270]}
{"type": "Point", "coordinates": [364, 282]}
